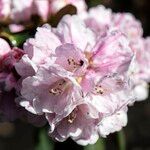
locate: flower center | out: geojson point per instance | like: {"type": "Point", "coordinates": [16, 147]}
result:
{"type": "Point", "coordinates": [72, 116]}
{"type": "Point", "coordinates": [99, 90]}
{"type": "Point", "coordinates": [58, 87]}
{"type": "Point", "coordinates": [75, 64]}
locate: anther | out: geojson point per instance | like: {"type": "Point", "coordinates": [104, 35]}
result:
{"type": "Point", "coordinates": [57, 88]}
{"type": "Point", "coordinates": [72, 116]}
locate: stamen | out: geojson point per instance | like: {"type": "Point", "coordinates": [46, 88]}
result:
{"type": "Point", "coordinates": [119, 82]}
{"type": "Point", "coordinates": [72, 116]}
{"type": "Point", "coordinates": [99, 90]}
{"type": "Point", "coordinates": [75, 64]}
{"type": "Point", "coordinates": [58, 87]}
{"type": "Point", "coordinates": [55, 91]}
{"type": "Point", "coordinates": [81, 62]}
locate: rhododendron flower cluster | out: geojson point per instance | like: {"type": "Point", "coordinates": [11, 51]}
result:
{"type": "Point", "coordinates": [80, 76]}
{"type": "Point", "coordinates": [78, 84]}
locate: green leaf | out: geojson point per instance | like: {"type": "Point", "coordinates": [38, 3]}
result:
{"type": "Point", "coordinates": [20, 38]}
{"type": "Point", "coordinates": [44, 142]}
{"type": "Point", "coordinates": [100, 145]}
{"type": "Point", "coordinates": [93, 3]}
{"type": "Point", "coordinates": [16, 39]}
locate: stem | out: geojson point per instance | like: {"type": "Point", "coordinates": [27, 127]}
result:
{"type": "Point", "coordinates": [44, 141]}
{"type": "Point", "coordinates": [121, 140]}
{"type": "Point", "coordinates": [100, 145]}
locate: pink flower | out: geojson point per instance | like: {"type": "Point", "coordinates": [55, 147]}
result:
{"type": "Point", "coordinates": [113, 123]}
{"type": "Point", "coordinates": [128, 24]}
{"type": "Point", "coordinates": [39, 48]}
{"type": "Point", "coordinates": [73, 59]}
{"type": "Point", "coordinates": [5, 48]}
{"type": "Point", "coordinates": [138, 71]}
{"type": "Point", "coordinates": [112, 54]}
{"type": "Point", "coordinates": [143, 59]}
{"type": "Point", "coordinates": [125, 22]}
{"type": "Point", "coordinates": [71, 29]}
{"type": "Point", "coordinates": [80, 125]}
{"type": "Point", "coordinates": [98, 24]}
{"type": "Point", "coordinates": [51, 90]}
{"type": "Point", "coordinates": [110, 96]}
{"type": "Point", "coordinates": [38, 51]}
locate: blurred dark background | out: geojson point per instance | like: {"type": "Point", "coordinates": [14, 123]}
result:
{"type": "Point", "coordinates": [22, 136]}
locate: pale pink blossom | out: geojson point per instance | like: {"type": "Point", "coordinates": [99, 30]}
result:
{"type": "Point", "coordinates": [139, 74]}
{"type": "Point", "coordinates": [71, 29]}
{"type": "Point", "coordinates": [94, 19]}
{"type": "Point", "coordinates": [113, 123]}
{"type": "Point", "coordinates": [71, 58]}
{"type": "Point", "coordinates": [5, 48]}
{"type": "Point", "coordinates": [111, 95]}
{"type": "Point", "coordinates": [51, 90]}
{"type": "Point", "coordinates": [128, 24]}
{"type": "Point", "coordinates": [38, 51]}
{"type": "Point", "coordinates": [138, 71]}
{"type": "Point", "coordinates": [69, 71]}
{"type": "Point", "coordinates": [80, 125]}
{"type": "Point", "coordinates": [112, 54]}
{"type": "Point", "coordinates": [125, 22]}
{"type": "Point", "coordinates": [40, 48]}
{"type": "Point", "coordinates": [140, 89]}
{"type": "Point", "coordinates": [143, 59]}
